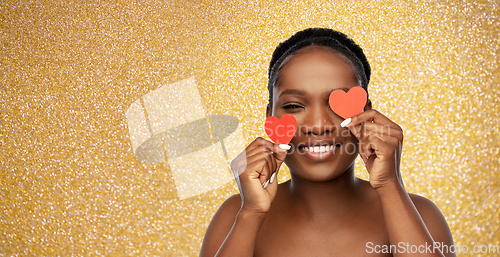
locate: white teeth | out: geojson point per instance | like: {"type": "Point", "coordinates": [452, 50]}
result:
{"type": "Point", "coordinates": [319, 149]}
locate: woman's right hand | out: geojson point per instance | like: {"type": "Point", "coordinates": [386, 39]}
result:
{"type": "Point", "coordinates": [259, 162]}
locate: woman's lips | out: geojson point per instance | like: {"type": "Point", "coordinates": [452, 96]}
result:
{"type": "Point", "coordinates": [318, 152]}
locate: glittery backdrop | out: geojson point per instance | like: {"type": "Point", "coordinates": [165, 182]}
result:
{"type": "Point", "coordinates": [71, 183]}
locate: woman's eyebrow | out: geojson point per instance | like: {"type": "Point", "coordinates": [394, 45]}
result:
{"type": "Point", "coordinates": [293, 92]}
{"type": "Point", "coordinates": [343, 88]}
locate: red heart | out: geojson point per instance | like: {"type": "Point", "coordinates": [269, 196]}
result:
{"type": "Point", "coordinates": [348, 104]}
{"type": "Point", "coordinates": [281, 131]}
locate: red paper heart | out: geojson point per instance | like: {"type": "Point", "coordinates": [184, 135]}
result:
{"type": "Point", "coordinates": [281, 131]}
{"type": "Point", "coordinates": [348, 104]}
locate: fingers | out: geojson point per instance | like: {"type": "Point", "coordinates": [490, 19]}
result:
{"type": "Point", "coordinates": [274, 157]}
{"type": "Point", "coordinates": [377, 135]}
{"type": "Point", "coordinates": [371, 116]}
{"type": "Point", "coordinates": [279, 154]}
{"type": "Point", "coordinates": [261, 159]}
{"type": "Point", "coordinates": [272, 182]}
{"type": "Point", "coordinates": [382, 129]}
{"type": "Point", "coordinates": [380, 145]}
{"type": "Point", "coordinates": [240, 163]}
{"type": "Point", "coordinates": [374, 123]}
{"type": "Point", "coordinates": [258, 142]}
{"type": "Point", "coordinates": [258, 165]}
{"type": "Point", "coordinates": [371, 128]}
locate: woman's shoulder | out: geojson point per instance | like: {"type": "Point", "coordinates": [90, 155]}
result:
{"type": "Point", "coordinates": [231, 204]}
{"type": "Point", "coordinates": [429, 212]}
{"type": "Point", "coordinates": [433, 219]}
{"type": "Point", "coordinates": [220, 225]}
{"type": "Point", "coordinates": [424, 206]}
{"type": "Point", "coordinates": [228, 210]}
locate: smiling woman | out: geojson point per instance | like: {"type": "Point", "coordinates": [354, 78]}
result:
{"type": "Point", "coordinates": [316, 72]}
{"type": "Point", "coordinates": [324, 209]}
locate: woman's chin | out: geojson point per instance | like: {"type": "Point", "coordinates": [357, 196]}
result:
{"type": "Point", "coordinates": [323, 172]}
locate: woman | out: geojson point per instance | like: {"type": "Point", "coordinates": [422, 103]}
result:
{"type": "Point", "coordinates": [324, 210]}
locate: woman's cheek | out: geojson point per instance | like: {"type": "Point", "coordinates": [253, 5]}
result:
{"type": "Point", "coordinates": [350, 147]}
{"type": "Point", "coordinates": [351, 143]}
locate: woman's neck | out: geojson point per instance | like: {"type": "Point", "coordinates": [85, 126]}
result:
{"type": "Point", "coordinates": [335, 197]}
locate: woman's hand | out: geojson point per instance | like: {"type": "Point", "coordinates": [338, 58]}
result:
{"type": "Point", "coordinates": [255, 171]}
{"type": "Point", "coordinates": [380, 146]}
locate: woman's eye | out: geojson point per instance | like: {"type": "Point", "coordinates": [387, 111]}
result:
{"type": "Point", "coordinates": [291, 106]}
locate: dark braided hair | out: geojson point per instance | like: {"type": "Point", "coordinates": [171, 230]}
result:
{"type": "Point", "coordinates": [336, 41]}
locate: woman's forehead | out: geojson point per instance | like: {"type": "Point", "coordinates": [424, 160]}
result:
{"type": "Point", "coordinates": [318, 67]}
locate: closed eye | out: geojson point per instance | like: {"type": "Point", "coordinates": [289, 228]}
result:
{"type": "Point", "coordinates": [291, 106]}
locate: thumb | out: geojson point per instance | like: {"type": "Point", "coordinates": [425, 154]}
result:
{"type": "Point", "coordinates": [279, 152]}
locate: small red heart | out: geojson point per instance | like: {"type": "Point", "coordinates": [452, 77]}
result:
{"type": "Point", "coordinates": [281, 131]}
{"type": "Point", "coordinates": [348, 104]}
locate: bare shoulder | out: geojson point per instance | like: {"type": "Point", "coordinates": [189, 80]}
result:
{"type": "Point", "coordinates": [424, 205]}
{"type": "Point", "coordinates": [221, 224]}
{"type": "Point", "coordinates": [427, 209]}
{"type": "Point", "coordinates": [433, 219]}
{"type": "Point", "coordinates": [231, 206]}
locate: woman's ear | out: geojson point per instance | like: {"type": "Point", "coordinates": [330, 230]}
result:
{"type": "Point", "coordinates": [268, 111]}
{"type": "Point", "coordinates": [368, 105]}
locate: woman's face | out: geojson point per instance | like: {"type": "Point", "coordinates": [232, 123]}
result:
{"type": "Point", "coordinates": [321, 149]}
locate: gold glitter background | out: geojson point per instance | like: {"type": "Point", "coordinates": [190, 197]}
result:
{"type": "Point", "coordinates": [70, 184]}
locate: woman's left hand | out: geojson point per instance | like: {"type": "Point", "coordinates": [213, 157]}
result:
{"type": "Point", "coordinates": [380, 146]}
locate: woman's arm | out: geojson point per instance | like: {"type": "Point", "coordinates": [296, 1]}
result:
{"type": "Point", "coordinates": [234, 228]}
{"type": "Point", "coordinates": [417, 224]}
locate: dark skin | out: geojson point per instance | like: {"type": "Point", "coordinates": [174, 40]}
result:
{"type": "Point", "coordinates": [324, 210]}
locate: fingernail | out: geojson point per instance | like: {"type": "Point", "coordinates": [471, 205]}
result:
{"type": "Point", "coordinates": [265, 184]}
{"type": "Point", "coordinates": [272, 178]}
{"type": "Point", "coordinates": [283, 146]}
{"type": "Point", "coordinates": [362, 160]}
{"type": "Point", "coordinates": [345, 122]}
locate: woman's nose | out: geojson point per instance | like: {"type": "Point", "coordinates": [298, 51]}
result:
{"type": "Point", "coordinates": [320, 121]}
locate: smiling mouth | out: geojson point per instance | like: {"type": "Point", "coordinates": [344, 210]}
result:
{"type": "Point", "coordinates": [320, 148]}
